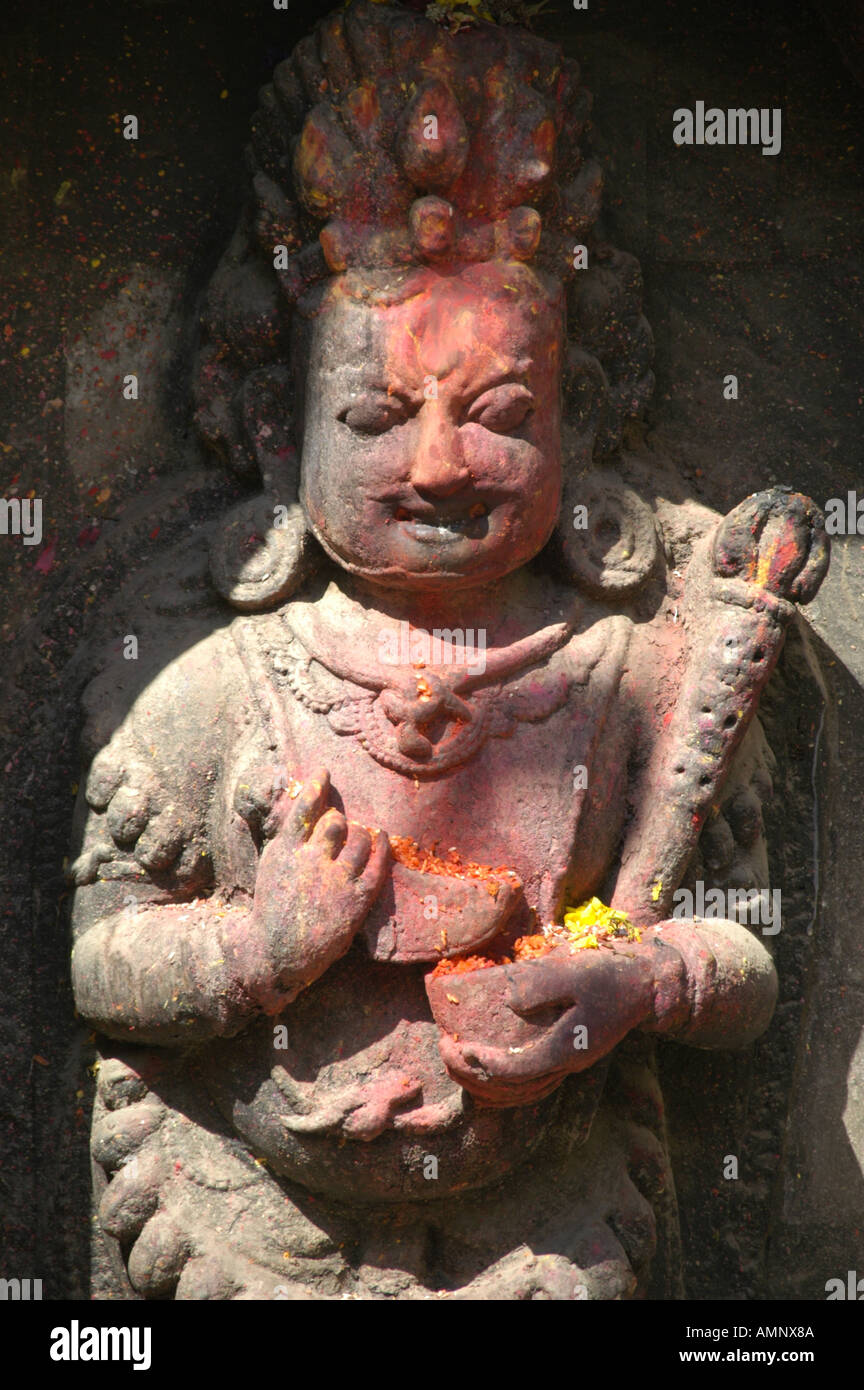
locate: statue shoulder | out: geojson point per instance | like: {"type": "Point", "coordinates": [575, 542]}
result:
{"type": "Point", "coordinates": [158, 733]}
{"type": "Point", "coordinates": [179, 683]}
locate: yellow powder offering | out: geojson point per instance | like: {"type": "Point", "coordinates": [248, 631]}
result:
{"type": "Point", "coordinates": [592, 922]}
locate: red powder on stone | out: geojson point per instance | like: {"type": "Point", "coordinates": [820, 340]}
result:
{"type": "Point", "coordinates": [467, 965]}
{"type": "Point", "coordinates": [532, 947]}
{"type": "Point", "coordinates": [526, 948]}
{"type": "Point", "coordinates": [407, 851]}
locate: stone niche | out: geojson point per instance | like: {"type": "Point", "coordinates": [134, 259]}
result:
{"type": "Point", "coordinates": [396, 1089]}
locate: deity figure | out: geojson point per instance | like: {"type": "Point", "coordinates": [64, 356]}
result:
{"type": "Point", "coordinates": [375, 917]}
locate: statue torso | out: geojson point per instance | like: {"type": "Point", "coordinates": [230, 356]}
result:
{"type": "Point", "coordinates": [355, 1058]}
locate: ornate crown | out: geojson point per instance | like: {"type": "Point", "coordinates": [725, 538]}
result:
{"type": "Point", "coordinates": [414, 144]}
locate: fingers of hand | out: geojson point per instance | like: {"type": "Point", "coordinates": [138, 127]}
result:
{"type": "Point", "coordinates": [356, 850]}
{"type": "Point", "coordinates": [362, 853]}
{"type": "Point", "coordinates": [329, 834]}
{"type": "Point", "coordinates": [378, 863]}
{"type": "Point", "coordinates": [297, 817]}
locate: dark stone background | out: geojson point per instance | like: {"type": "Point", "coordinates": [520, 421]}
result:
{"type": "Point", "coordinates": [752, 265]}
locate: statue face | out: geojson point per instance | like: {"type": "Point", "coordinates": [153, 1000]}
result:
{"type": "Point", "coordinates": [431, 448]}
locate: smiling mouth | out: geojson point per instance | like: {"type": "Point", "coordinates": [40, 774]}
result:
{"type": "Point", "coordinates": [438, 528]}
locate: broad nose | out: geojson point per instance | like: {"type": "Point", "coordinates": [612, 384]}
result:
{"type": "Point", "coordinates": [438, 465]}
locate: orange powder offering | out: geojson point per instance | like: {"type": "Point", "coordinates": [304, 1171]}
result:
{"type": "Point", "coordinates": [407, 851]}
{"type": "Point", "coordinates": [533, 947]}
{"type": "Point", "coordinates": [526, 948]}
{"type": "Point", "coordinates": [467, 965]}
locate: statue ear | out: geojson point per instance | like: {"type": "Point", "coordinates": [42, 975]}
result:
{"type": "Point", "coordinates": [262, 553]}
{"type": "Point", "coordinates": [263, 549]}
{"type": "Point", "coordinates": [607, 537]}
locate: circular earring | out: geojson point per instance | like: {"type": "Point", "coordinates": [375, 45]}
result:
{"type": "Point", "coordinates": [607, 536]}
{"type": "Point", "coordinates": [261, 553]}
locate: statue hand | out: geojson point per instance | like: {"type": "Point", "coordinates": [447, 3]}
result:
{"type": "Point", "coordinates": [511, 1033]}
{"type": "Point", "coordinates": [317, 878]}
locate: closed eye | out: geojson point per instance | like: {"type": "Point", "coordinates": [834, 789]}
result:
{"type": "Point", "coordinates": [373, 414]}
{"type": "Point", "coordinates": [502, 408]}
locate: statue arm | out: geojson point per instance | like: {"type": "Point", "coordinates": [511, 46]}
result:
{"type": "Point", "coordinates": [720, 988]}
{"type": "Point", "coordinates": [176, 972]}
{"type": "Point", "coordinates": [168, 973]}
{"type": "Point", "coordinates": [186, 922]}
{"type": "Point", "coordinates": [509, 1032]}
{"type": "Point", "coordinates": [152, 958]}
{"type": "Point", "coordinates": [728, 988]}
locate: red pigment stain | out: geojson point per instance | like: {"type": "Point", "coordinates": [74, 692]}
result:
{"type": "Point", "coordinates": [407, 851]}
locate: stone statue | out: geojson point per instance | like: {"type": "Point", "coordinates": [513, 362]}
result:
{"type": "Point", "coordinates": [375, 878]}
